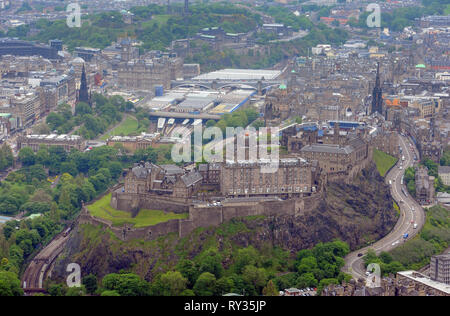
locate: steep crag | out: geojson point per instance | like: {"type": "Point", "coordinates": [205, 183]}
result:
{"type": "Point", "coordinates": [358, 214]}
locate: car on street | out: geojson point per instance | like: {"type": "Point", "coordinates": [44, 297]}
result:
{"type": "Point", "coordinates": [360, 254]}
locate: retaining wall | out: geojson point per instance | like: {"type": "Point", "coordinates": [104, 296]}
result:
{"type": "Point", "coordinates": [203, 216]}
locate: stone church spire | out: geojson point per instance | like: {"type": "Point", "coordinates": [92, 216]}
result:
{"type": "Point", "coordinates": [83, 94]}
{"type": "Point", "coordinates": [377, 95]}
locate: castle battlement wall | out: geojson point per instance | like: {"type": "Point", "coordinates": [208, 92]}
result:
{"type": "Point", "coordinates": [207, 216]}
{"type": "Point", "coordinates": [129, 202]}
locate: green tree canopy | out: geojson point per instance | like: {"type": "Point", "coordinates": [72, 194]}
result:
{"type": "Point", "coordinates": [27, 156]}
{"type": "Point", "coordinates": [205, 285]}
{"type": "Point", "coordinates": [9, 284]}
{"type": "Point", "coordinates": [127, 284]}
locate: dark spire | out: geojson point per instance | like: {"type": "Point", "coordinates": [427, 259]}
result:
{"type": "Point", "coordinates": [377, 95]}
{"type": "Point", "coordinates": [83, 95]}
{"type": "Point", "coordinates": [377, 83]}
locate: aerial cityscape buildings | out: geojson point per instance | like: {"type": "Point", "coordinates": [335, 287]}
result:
{"type": "Point", "coordinates": [314, 148]}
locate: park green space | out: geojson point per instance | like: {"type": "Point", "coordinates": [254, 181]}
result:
{"type": "Point", "coordinates": [128, 126]}
{"type": "Point", "coordinates": [157, 19]}
{"type": "Point", "coordinates": [383, 161]}
{"type": "Point", "coordinates": [102, 209]}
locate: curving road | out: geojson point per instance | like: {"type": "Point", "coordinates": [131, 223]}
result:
{"type": "Point", "coordinates": [353, 262]}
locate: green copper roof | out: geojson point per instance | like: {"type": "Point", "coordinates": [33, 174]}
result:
{"type": "Point", "coordinates": [421, 66]}
{"type": "Point", "coordinates": [282, 87]}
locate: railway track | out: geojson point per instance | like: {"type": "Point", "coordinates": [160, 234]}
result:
{"type": "Point", "coordinates": [36, 272]}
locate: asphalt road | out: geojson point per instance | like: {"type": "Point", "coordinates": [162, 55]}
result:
{"type": "Point", "coordinates": [353, 262]}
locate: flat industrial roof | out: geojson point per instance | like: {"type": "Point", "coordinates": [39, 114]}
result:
{"type": "Point", "coordinates": [240, 74]}
{"type": "Point", "coordinates": [196, 103]}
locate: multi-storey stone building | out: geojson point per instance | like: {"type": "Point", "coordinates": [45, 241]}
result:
{"type": "Point", "coordinates": [279, 105]}
{"type": "Point", "coordinates": [444, 174]}
{"type": "Point", "coordinates": [19, 66]}
{"type": "Point", "coordinates": [145, 74]}
{"type": "Point", "coordinates": [24, 108]}
{"type": "Point", "coordinates": [68, 142]}
{"type": "Point", "coordinates": [406, 283]}
{"type": "Point", "coordinates": [424, 186]}
{"type": "Point", "coordinates": [57, 90]}
{"type": "Point", "coordinates": [5, 125]}
{"type": "Point", "coordinates": [210, 173]}
{"type": "Point", "coordinates": [292, 177]}
{"type": "Point", "coordinates": [412, 283]}
{"type": "Point", "coordinates": [341, 148]}
{"type": "Point", "coordinates": [427, 106]}
{"type": "Point", "coordinates": [386, 141]}
{"type": "Point", "coordinates": [440, 268]}
{"type": "Point", "coordinates": [337, 158]}
{"type": "Point", "coordinates": [133, 143]}
{"type": "Point", "coordinates": [168, 180]}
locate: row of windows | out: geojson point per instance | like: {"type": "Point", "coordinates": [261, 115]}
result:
{"type": "Point", "coordinates": [247, 182]}
{"type": "Point", "coordinates": [286, 174]}
{"type": "Point", "coordinates": [262, 190]}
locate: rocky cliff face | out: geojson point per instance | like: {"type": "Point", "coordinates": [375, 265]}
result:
{"type": "Point", "coordinates": [358, 213]}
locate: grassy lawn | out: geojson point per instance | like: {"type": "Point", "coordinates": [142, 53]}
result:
{"type": "Point", "coordinates": [397, 209]}
{"type": "Point", "coordinates": [102, 209]}
{"type": "Point", "coordinates": [158, 19]}
{"type": "Point", "coordinates": [130, 125]}
{"type": "Point", "coordinates": [383, 161]}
